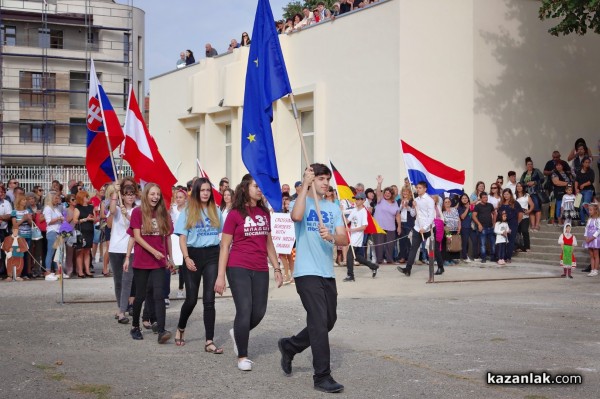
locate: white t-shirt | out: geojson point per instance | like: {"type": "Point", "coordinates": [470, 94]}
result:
{"type": "Point", "coordinates": [118, 233]}
{"type": "Point", "coordinates": [49, 214]}
{"type": "Point", "coordinates": [175, 247]}
{"type": "Point", "coordinates": [494, 201]}
{"type": "Point", "coordinates": [357, 218]}
{"type": "Point", "coordinates": [5, 209]}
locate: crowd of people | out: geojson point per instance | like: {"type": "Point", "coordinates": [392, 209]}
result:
{"type": "Point", "coordinates": [296, 23]}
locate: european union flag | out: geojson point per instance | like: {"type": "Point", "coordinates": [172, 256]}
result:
{"type": "Point", "coordinates": [266, 81]}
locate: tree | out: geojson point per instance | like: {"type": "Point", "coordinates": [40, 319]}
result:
{"type": "Point", "coordinates": [296, 6]}
{"type": "Point", "coordinates": [577, 15]}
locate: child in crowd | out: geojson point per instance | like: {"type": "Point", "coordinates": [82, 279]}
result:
{"type": "Point", "coordinates": [15, 248]}
{"type": "Point", "coordinates": [567, 208]}
{"type": "Point", "coordinates": [592, 234]}
{"type": "Point", "coordinates": [502, 231]}
{"type": "Point", "coordinates": [567, 258]}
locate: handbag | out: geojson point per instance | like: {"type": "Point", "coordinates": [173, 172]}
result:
{"type": "Point", "coordinates": [76, 240]}
{"type": "Point", "coordinates": [454, 243]}
{"type": "Point", "coordinates": [578, 199]}
{"type": "Point", "coordinates": [36, 233]}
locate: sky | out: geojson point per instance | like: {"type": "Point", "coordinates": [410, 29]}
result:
{"type": "Point", "coordinates": [176, 25]}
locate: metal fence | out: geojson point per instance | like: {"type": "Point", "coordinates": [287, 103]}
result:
{"type": "Point", "coordinates": [29, 176]}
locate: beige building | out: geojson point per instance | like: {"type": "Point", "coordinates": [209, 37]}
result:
{"type": "Point", "coordinates": [476, 84]}
{"type": "Point", "coordinates": [44, 58]}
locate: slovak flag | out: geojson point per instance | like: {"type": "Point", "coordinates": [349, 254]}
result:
{"type": "Point", "coordinates": [102, 124]}
{"type": "Point", "coordinates": [141, 152]}
{"type": "Point", "coordinates": [216, 194]}
{"type": "Point", "coordinates": [440, 178]}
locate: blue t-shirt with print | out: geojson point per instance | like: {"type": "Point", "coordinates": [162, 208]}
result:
{"type": "Point", "coordinates": [202, 234]}
{"type": "Point", "coordinates": [313, 254]}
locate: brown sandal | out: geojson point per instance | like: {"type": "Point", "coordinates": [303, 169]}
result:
{"type": "Point", "coordinates": [215, 351]}
{"type": "Point", "coordinates": [180, 341]}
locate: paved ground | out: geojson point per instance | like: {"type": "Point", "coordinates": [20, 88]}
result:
{"type": "Point", "coordinates": [395, 337]}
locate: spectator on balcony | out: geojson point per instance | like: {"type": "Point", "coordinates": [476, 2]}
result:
{"type": "Point", "coordinates": [210, 51]}
{"type": "Point", "coordinates": [233, 45]}
{"type": "Point", "coordinates": [297, 21]}
{"type": "Point", "coordinates": [279, 27]}
{"type": "Point", "coordinates": [181, 61]}
{"type": "Point", "coordinates": [245, 39]}
{"type": "Point", "coordinates": [346, 6]}
{"type": "Point", "coordinates": [323, 12]}
{"type": "Point", "coordinates": [289, 25]}
{"type": "Point", "coordinates": [189, 57]}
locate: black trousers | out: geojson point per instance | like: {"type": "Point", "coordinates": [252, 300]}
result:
{"type": "Point", "coordinates": [156, 277]}
{"type": "Point", "coordinates": [250, 291]}
{"type": "Point", "coordinates": [359, 258]}
{"type": "Point", "coordinates": [416, 245]}
{"type": "Point", "coordinates": [319, 298]}
{"type": "Point", "coordinates": [207, 261]}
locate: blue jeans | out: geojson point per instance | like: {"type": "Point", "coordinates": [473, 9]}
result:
{"type": "Point", "coordinates": [586, 198]}
{"type": "Point", "coordinates": [558, 205]}
{"type": "Point", "coordinates": [487, 234]}
{"type": "Point", "coordinates": [465, 234]}
{"type": "Point", "coordinates": [51, 237]}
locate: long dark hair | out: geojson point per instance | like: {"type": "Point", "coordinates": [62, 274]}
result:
{"type": "Point", "coordinates": [241, 198]}
{"type": "Point", "coordinates": [223, 204]}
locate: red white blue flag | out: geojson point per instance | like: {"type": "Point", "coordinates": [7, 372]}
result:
{"type": "Point", "coordinates": [440, 178]}
{"type": "Point", "coordinates": [102, 125]}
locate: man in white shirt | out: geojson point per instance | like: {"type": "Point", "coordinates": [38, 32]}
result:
{"type": "Point", "coordinates": [512, 182]}
{"type": "Point", "coordinates": [425, 214]}
{"type": "Point", "coordinates": [358, 223]}
{"type": "Point", "coordinates": [5, 211]}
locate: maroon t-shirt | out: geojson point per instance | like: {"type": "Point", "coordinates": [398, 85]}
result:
{"type": "Point", "coordinates": [249, 246]}
{"type": "Point", "coordinates": [144, 259]}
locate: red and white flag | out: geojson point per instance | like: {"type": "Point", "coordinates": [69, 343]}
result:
{"type": "Point", "coordinates": [216, 194]}
{"type": "Point", "coordinates": [141, 152]}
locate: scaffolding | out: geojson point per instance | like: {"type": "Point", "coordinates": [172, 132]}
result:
{"type": "Point", "coordinates": [45, 52]}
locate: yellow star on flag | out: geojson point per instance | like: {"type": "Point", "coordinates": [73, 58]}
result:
{"type": "Point", "coordinates": [251, 137]}
{"type": "Point", "coordinates": [256, 62]}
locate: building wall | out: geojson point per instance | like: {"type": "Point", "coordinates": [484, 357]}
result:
{"type": "Point", "coordinates": [477, 84]}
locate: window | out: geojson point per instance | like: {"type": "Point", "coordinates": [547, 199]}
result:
{"type": "Point", "coordinates": [39, 132]}
{"type": "Point", "coordinates": [37, 89]}
{"type": "Point", "coordinates": [125, 93]}
{"type": "Point", "coordinates": [140, 60]}
{"type": "Point", "coordinates": [78, 86]}
{"type": "Point", "coordinates": [307, 126]}
{"type": "Point", "coordinates": [227, 150]}
{"type": "Point", "coordinates": [56, 38]}
{"type": "Point", "coordinates": [126, 47]}
{"type": "Point", "coordinates": [77, 131]}
{"type": "Point", "coordinates": [8, 35]}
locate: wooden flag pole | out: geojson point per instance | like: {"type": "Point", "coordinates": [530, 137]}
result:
{"type": "Point", "coordinates": [305, 155]}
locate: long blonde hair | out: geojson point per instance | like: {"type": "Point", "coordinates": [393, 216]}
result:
{"type": "Point", "coordinates": [163, 220]}
{"type": "Point", "coordinates": [195, 206]}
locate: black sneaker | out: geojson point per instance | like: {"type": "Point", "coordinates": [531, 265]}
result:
{"type": "Point", "coordinates": [587, 269]}
{"type": "Point", "coordinates": [155, 328]}
{"type": "Point", "coordinates": [286, 359]}
{"type": "Point", "coordinates": [136, 333]}
{"type": "Point", "coordinates": [164, 336]}
{"type": "Point", "coordinates": [329, 385]}
{"type": "Point", "coordinates": [404, 270]}
{"type": "Point", "coordinates": [348, 278]}
{"type": "Point", "coordinates": [375, 271]}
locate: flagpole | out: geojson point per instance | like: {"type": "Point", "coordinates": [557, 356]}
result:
{"type": "Point", "coordinates": [124, 141]}
{"type": "Point", "coordinates": [343, 215]}
{"type": "Point", "coordinates": [305, 155]}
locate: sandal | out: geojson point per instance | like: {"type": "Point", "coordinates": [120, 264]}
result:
{"type": "Point", "coordinates": [215, 351]}
{"type": "Point", "coordinates": [147, 325]}
{"type": "Point", "coordinates": [179, 341]}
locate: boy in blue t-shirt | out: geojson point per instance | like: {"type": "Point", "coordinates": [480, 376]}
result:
{"type": "Point", "coordinates": [314, 275]}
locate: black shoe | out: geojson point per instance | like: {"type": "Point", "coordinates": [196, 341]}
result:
{"type": "Point", "coordinates": [164, 336]}
{"type": "Point", "coordinates": [587, 269]}
{"type": "Point", "coordinates": [439, 271]}
{"type": "Point", "coordinates": [130, 310]}
{"type": "Point", "coordinates": [286, 359]}
{"type": "Point", "coordinates": [483, 260]}
{"type": "Point", "coordinates": [375, 271]}
{"type": "Point", "coordinates": [155, 328]}
{"type": "Point", "coordinates": [570, 276]}
{"type": "Point", "coordinates": [348, 278]}
{"type": "Point", "coordinates": [123, 320]}
{"type": "Point", "coordinates": [329, 385]}
{"type": "Point", "coordinates": [136, 333]}
{"type": "Point", "coordinates": [404, 270]}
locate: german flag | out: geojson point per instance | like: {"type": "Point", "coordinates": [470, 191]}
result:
{"type": "Point", "coordinates": [344, 193]}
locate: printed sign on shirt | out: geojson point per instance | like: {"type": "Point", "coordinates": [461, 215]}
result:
{"type": "Point", "coordinates": [283, 233]}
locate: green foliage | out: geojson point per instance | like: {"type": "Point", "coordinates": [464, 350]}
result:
{"type": "Point", "coordinates": [295, 6]}
{"type": "Point", "coordinates": [577, 16]}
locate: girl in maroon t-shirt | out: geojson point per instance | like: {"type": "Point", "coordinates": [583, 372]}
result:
{"type": "Point", "coordinates": [150, 226]}
{"type": "Point", "coordinates": [245, 245]}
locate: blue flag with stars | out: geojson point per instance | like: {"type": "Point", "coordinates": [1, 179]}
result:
{"type": "Point", "coordinates": [266, 81]}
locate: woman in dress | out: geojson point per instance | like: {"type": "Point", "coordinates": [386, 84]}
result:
{"type": "Point", "coordinates": [532, 179]}
{"type": "Point", "coordinates": [245, 246]}
{"type": "Point", "coordinates": [514, 215]}
{"type": "Point", "coordinates": [22, 218]}
{"type": "Point", "coordinates": [591, 237]}
{"type": "Point", "coordinates": [69, 213]}
{"type": "Point", "coordinates": [198, 228]}
{"type": "Point", "coordinates": [150, 226]}
{"type": "Point", "coordinates": [388, 217]}
{"type": "Point", "coordinates": [527, 205]}
{"type": "Point", "coordinates": [84, 222]}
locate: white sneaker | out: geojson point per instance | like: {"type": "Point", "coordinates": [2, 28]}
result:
{"type": "Point", "coordinates": [51, 277]}
{"type": "Point", "coordinates": [180, 294]}
{"type": "Point", "coordinates": [477, 260]}
{"type": "Point", "coordinates": [245, 364]}
{"type": "Point", "coordinates": [167, 303]}
{"type": "Point", "coordinates": [468, 260]}
{"type": "Point", "coordinates": [235, 350]}
{"type": "Point", "coordinates": [66, 276]}
{"type": "Point", "coordinates": [593, 273]}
